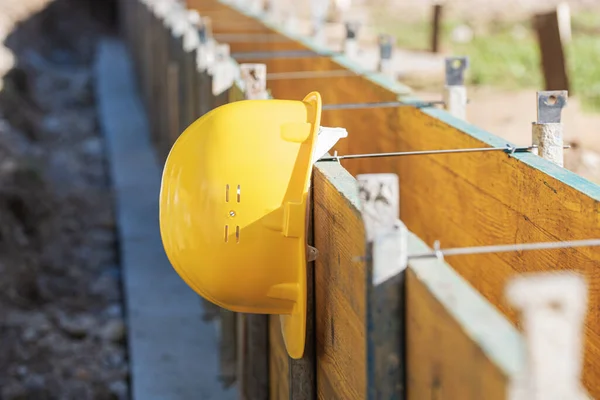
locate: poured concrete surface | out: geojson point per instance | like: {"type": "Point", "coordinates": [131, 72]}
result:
{"type": "Point", "coordinates": [173, 353]}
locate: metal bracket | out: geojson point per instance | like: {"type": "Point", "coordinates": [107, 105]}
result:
{"type": "Point", "coordinates": [311, 253]}
{"type": "Point", "coordinates": [386, 44]}
{"type": "Point", "coordinates": [549, 106]}
{"type": "Point", "coordinates": [455, 70]}
{"type": "Point", "coordinates": [352, 29]}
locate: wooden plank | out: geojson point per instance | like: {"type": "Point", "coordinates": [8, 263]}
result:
{"type": "Point", "coordinates": [339, 285]}
{"type": "Point", "coordinates": [386, 261]}
{"type": "Point", "coordinates": [436, 27]}
{"type": "Point", "coordinates": [253, 356]}
{"type": "Point", "coordinates": [488, 199]}
{"type": "Point", "coordinates": [551, 50]}
{"type": "Point", "coordinates": [487, 195]}
{"type": "Point", "coordinates": [227, 347]}
{"type": "Point", "coordinates": [302, 373]}
{"type": "Point", "coordinates": [458, 345]}
{"type": "Point", "coordinates": [294, 64]}
{"type": "Point", "coordinates": [279, 385]}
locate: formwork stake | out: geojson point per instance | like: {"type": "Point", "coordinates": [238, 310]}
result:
{"type": "Point", "coordinates": [547, 132]}
{"type": "Point", "coordinates": [254, 77]}
{"type": "Point", "coordinates": [351, 40]}
{"type": "Point", "coordinates": [553, 308]}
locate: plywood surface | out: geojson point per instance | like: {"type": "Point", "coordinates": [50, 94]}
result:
{"type": "Point", "coordinates": [458, 345]}
{"type": "Point", "coordinates": [339, 286]}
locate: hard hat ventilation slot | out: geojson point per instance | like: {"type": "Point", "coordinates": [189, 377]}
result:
{"type": "Point", "coordinates": [237, 234]}
{"type": "Point", "coordinates": [239, 193]}
{"type": "Point", "coordinates": [226, 233]}
{"type": "Point", "coordinates": [227, 193]}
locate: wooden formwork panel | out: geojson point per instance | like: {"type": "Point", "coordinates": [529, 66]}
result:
{"type": "Point", "coordinates": [457, 345]}
{"type": "Point", "coordinates": [473, 198]}
{"type": "Point", "coordinates": [488, 198]}
{"type": "Point", "coordinates": [340, 287]}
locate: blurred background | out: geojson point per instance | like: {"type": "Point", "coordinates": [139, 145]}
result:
{"type": "Point", "coordinates": [62, 324]}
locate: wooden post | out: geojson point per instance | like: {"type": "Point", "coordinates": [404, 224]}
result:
{"type": "Point", "coordinates": [351, 42]}
{"type": "Point", "coordinates": [256, 6]}
{"type": "Point", "coordinates": [302, 372]}
{"type": "Point", "coordinates": [386, 46]}
{"type": "Point", "coordinates": [436, 27]}
{"type": "Point", "coordinates": [455, 93]}
{"type": "Point", "coordinates": [553, 308]}
{"type": "Point", "coordinates": [550, 40]}
{"type": "Point", "coordinates": [547, 132]}
{"type": "Point", "coordinates": [386, 261]}
{"type": "Point", "coordinates": [227, 347]}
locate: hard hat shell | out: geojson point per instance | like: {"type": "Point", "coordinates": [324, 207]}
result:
{"type": "Point", "coordinates": [233, 205]}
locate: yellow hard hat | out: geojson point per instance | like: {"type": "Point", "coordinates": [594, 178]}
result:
{"type": "Point", "coordinates": [233, 206]}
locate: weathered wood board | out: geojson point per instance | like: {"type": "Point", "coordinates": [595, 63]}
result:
{"type": "Point", "coordinates": [279, 385]}
{"type": "Point", "coordinates": [339, 286]}
{"type": "Point", "coordinates": [458, 345]}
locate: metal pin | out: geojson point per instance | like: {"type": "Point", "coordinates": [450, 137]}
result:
{"type": "Point", "coordinates": [508, 149]}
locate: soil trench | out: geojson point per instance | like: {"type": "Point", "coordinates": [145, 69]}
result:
{"type": "Point", "coordinates": [62, 330]}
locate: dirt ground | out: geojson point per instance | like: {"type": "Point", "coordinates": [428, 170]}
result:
{"type": "Point", "coordinates": [62, 332]}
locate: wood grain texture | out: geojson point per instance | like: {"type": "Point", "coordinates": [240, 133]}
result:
{"type": "Point", "coordinates": [339, 285]}
{"type": "Point", "coordinates": [492, 198]}
{"type": "Point", "coordinates": [458, 345]}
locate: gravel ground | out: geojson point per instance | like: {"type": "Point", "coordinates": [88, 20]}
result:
{"type": "Point", "coordinates": [62, 332]}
